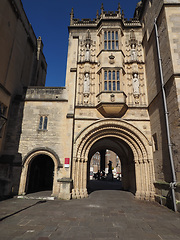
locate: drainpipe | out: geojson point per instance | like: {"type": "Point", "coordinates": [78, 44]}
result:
{"type": "Point", "coordinates": [173, 183]}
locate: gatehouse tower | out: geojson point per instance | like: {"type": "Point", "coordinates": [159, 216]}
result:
{"type": "Point", "coordinates": [121, 75]}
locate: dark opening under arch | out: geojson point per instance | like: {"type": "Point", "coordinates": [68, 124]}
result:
{"type": "Point", "coordinates": [41, 171]}
{"type": "Point", "coordinates": [124, 153]}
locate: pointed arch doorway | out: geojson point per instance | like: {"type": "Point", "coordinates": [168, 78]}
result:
{"type": "Point", "coordinates": [130, 144]}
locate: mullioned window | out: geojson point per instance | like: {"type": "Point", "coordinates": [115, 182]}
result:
{"type": "Point", "coordinates": [111, 80]}
{"type": "Point", "coordinates": [111, 41]}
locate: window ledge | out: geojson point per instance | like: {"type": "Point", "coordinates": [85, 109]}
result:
{"type": "Point", "coordinates": [42, 130]}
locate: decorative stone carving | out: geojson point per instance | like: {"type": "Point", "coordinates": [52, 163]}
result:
{"type": "Point", "coordinates": [111, 59]}
{"type": "Point", "coordinates": [86, 83]}
{"type": "Point", "coordinates": [135, 84]}
{"type": "Point", "coordinates": [86, 88]}
{"type": "Point", "coordinates": [88, 43]}
{"type": "Point", "coordinates": [133, 44]}
{"type": "Point", "coordinates": [87, 53]}
{"type": "Point", "coordinates": [133, 52]}
{"type": "Point", "coordinates": [112, 98]}
{"type": "Point", "coordinates": [138, 9]}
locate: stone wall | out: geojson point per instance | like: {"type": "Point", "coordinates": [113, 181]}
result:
{"type": "Point", "coordinates": [22, 64]}
{"type": "Point", "coordinates": [50, 102]}
{"type": "Point", "coordinates": [167, 24]}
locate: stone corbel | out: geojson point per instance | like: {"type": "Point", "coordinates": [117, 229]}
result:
{"type": "Point", "coordinates": [136, 98]}
{"type": "Point", "coordinates": [111, 59]}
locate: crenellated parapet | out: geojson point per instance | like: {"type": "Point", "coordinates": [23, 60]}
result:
{"type": "Point", "coordinates": [104, 15]}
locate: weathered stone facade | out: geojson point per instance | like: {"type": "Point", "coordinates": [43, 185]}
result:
{"type": "Point", "coordinates": [167, 15]}
{"type": "Point", "coordinates": [22, 64]}
{"type": "Point", "coordinates": [112, 100]}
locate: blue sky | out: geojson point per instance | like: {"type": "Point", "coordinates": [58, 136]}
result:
{"type": "Point", "coordinates": [50, 20]}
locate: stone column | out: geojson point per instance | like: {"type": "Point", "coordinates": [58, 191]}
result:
{"type": "Point", "coordinates": [102, 160]}
{"type": "Point", "coordinates": [55, 190]}
{"type": "Point", "coordinates": [81, 173]}
{"type": "Point", "coordinates": [142, 179]}
{"type": "Point", "coordinates": [85, 178]}
{"type": "Point", "coordinates": [22, 187]}
{"type": "Point", "coordinates": [77, 178]}
{"type": "Point", "coordinates": [138, 179]}
{"type": "Point", "coordinates": [75, 175]}
{"type": "Point", "coordinates": [146, 179]}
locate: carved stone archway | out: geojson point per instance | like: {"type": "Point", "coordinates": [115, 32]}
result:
{"type": "Point", "coordinates": [25, 169]}
{"type": "Point", "coordinates": [125, 132]}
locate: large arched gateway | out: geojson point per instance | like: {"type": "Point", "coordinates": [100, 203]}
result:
{"type": "Point", "coordinates": [134, 149]}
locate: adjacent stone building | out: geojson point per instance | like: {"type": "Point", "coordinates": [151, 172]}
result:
{"type": "Point", "coordinates": [120, 75]}
{"type": "Point", "coordinates": [22, 64]}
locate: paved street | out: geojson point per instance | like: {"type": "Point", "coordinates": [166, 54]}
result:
{"type": "Point", "coordinates": [106, 214]}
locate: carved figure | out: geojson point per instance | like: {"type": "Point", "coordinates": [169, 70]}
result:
{"type": "Point", "coordinates": [86, 83]}
{"type": "Point", "coordinates": [138, 9]}
{"type": "Point", "coordinates": [87, 54]}
{"type": "Point", "coordinates": [135, 84]}
{"type": "Point", "coordinates": [133, 52]}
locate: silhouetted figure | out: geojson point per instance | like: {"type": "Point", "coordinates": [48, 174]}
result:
{"type": "Point", "coordinates": [110, 175]}
{"type": "Point", "coordinates": [110, 167]}
{"type": "Point", "coordinates": [98, 175]}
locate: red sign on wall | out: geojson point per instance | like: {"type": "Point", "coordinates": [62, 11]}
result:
{"type": "Point", "coordinates": [66, 162]}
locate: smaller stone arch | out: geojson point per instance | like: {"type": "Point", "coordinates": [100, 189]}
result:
{"type": "Point", "coordinates": [47, 151]}
{"type": "Point", "coordinates": [26, 163]}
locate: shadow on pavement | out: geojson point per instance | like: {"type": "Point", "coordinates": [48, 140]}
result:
{"type": "Point", "coordinates": [96, 185]}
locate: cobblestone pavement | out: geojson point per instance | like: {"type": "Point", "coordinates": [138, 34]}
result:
{"type": "Point", "coordinates": [104, 215]}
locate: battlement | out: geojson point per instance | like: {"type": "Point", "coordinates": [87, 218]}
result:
{"type": "Point", "coordinates": [105, 15]}
{"type": "Point", "coordinates": [85, 21]}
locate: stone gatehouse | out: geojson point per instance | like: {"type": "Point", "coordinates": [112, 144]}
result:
{"type": "Point", "coordinates": [112, 100]}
